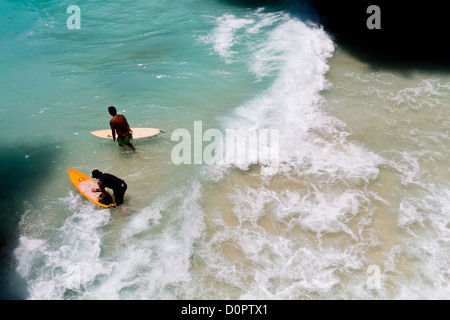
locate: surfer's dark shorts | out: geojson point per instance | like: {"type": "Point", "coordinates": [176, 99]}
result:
{"type": "Point", "coordinates": [124, 141]}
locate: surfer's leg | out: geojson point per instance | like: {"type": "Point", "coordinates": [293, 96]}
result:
{"type": "Point", "coordinates": [118, 197]}
{"type": "Point", "coordinates": [119, 194]}
{"type": "Point", "coordinates": [127, 140]}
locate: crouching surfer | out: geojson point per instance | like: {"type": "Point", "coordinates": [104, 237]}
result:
{"type": "Point", "coordinates": [106, 180]}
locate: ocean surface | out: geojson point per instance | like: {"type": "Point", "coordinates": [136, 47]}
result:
{"type": "Point", "coordinates": [357, 206]}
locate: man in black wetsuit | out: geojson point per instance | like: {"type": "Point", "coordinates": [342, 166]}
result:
{"type": "Point", "coordinates": [106, 180]}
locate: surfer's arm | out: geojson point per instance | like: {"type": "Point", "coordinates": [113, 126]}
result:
{"type": "Point", "coordinates": [101, 187]}
{"type": "Point", "coordinates": [128, 127]}
{"type": "Point", "coordinates": [113, 130]}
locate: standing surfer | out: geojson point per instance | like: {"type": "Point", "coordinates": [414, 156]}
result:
{"type": "Point", "coordinates": [119, 125]}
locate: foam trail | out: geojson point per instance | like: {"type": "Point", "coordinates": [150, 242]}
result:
{"type": "Point", "coordinates": [65, 269]}
{"type": "Point", "coordinates": [314, 152]}
{"type": "Point", "coordinates": [225, 36]}
{"type": "Point", "coordinates": [296, 54]}
{"type": "Point", "coordinates": [153, 260]}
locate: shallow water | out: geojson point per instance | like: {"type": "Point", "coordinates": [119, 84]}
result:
{"type": "Point", "coordinates": [362, 181]}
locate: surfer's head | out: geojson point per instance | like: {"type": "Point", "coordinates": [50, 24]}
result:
{"type": "Point", "coordinates": [96, 174]}
{"type": "Point", "coordinates": [112, 111]}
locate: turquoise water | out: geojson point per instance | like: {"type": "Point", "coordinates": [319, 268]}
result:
{"type": "Point", "coordinates": [363, 158]}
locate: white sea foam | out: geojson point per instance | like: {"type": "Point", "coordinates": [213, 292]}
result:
{"type": "Point", "coordinates": [314, 149]}
{"type": "Point", "coordinates": [141, 265]}
{"type": "Point", "coordinates": [224, 36]}
{"type": "Point", "coordinates": [297, 55]}
{"type": "Point", "coordinates": [334, 208]}
{"type": "Point", "coordinates": [153, 258]}
{"type": "Point", "coordinates": [427, 220]}
{"type": "Point", "coordinates": [64, 270]}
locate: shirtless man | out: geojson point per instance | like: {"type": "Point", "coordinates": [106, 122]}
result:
{"type": "Point", "coordinates": [120, 125]}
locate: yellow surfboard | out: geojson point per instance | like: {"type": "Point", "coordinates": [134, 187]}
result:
{"type": "Point", "coordinates": [84, 184]}
{"type": "Point", "coordinates": [138, 133]}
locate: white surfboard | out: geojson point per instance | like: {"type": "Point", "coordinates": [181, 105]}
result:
{"type": "Point", "coordinates": [138, 133]}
